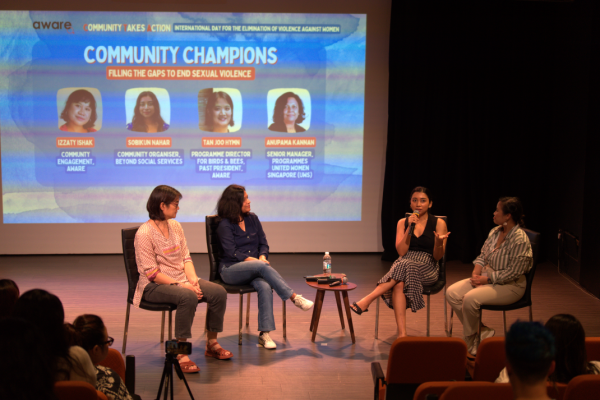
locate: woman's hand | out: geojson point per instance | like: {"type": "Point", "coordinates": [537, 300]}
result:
{"type": "Point", "coordinates": [440, 237]}
{"type": "Point", "coordinates": [264, 259]}
{"type": "Point", "coordinates": [194, 288]}
{"type": "Point", "coordinates": [478, 280]}
{"type": "Point", "coordinates": [413, 219]}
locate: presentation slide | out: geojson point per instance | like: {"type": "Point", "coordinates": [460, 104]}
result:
{"type": "Point", "coordinates": [97, 108]}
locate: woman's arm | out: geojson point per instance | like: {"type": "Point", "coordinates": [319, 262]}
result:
{"type": "Point", "coordinates": [263, 245]}
{"type": "Point", "coordinates": [441, 236]}
{"type": "Point", "coordinates": [519, 260]}
{"type": "Point", "coordinates": [225, 233]}
{"type": "Point", "coordinates": [402, 238]}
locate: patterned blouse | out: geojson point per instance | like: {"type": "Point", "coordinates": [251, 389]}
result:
{"type": "Point", "coordinates": [111, 384]}
{"type": "Point", "coordinates": [513, 259]}
{"type": "Point", "coordinates": [154, 253]}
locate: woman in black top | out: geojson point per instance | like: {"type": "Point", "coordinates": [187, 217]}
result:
{"type": "Point", "coordinates": [245, 259]}
{"type": "Point", "coordinates": [420, 252]}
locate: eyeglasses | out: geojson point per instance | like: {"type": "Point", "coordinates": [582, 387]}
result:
{"type": "Point", "coordinates": [109, 342]}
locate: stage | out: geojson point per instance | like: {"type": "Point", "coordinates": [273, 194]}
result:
{"type": "Point", "coordinates": [331, 368]}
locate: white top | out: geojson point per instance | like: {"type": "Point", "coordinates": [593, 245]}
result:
{"type": "Point", "coordinates": [81, 369]}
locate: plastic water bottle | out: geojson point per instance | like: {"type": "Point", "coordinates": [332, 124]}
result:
{"type": "Point", "coordinates": [327, 263]}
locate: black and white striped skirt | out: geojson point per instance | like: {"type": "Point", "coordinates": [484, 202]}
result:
{"type": "Point", "coordinates": [415, 269]}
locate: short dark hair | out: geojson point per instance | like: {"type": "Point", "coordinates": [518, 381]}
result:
{"type": "Point", "coordinates": [210, 104]}
{"type": "Point", "coordinates": [89, 331]}
{"type": "Point", "coordinates": [530, 351]}
{"type": "Point", "coordinates": [230, 203]}
{"type": "Point", "coordinates": [421, 189]}
{"type": "Point", "coordinates": [161, 194]}
{"type": "Point", "coordinates": [513, 206]}
{"type": "Point", "coordinates": [138, 122]}
{"type": "Point", "coordinates": [9, 293]}
{"type": "Point", "coordinates": [280, 104]}
{"type": "Point", "coordinates": [81, 95]}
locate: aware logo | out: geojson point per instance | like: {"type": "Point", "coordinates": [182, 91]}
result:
{"type": "Point", "coordinates": [54, 25]}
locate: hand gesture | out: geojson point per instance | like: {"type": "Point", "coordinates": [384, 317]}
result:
{"type": "Point", "coordinates": [194, 288]}
{"type": "Point", "coordinates": [478, 280]}
{"type": "Point", "coordinates": [264, 259]}
{"type": "Point", "coordinates": [441, 237]}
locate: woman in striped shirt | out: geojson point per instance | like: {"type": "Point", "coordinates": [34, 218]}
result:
{"type": "Point", "coordinates": [499, 271]}
{"type": "Point", "coordinates": [167, 275]}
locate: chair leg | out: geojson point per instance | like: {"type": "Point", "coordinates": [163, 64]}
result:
{"type": "Point", "coordinates": [126, 329]}
{"type": "Point", "coordinates": [170, 325]}
{"type": "Point", "coordinates": [377, 319]}
{"type": "Point", "coordinates": [504, 316]}
{"type": "Point", "coordinates": [445, 313]}
{"type": "Point", "coordinates": [162, 328]}
{"type": "Point", "coordinates": [206, 322]}
{"type": "Point", "coordinates": [428, 310]}
{"type": "Point", "coordinates": [241, 316]}
{"type": "Point", "coordinates": [450, 322]}
{"type": "Point", "coordinates": [284, 321]}
{"type": "Point", "coordinates": [480, 324]}
{"type": "Point", "coordinates": [248, 311]}
{"type": "Point", "coordinates": [530, 315]}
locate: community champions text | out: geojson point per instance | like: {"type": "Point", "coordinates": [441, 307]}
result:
{"type": "Point", "coordinates": [190, 55]}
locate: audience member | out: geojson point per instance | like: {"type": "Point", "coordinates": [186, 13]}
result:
{"type": "Point", "coordinates": [9, 293]}
{"type": "Point", "coordinates": [530, 356]}
{"type": "Point", "coordinates": [90, 333]}
{"type": "Point", "coordinates": [45, 311]}
{"type": "Point", "coordinates": [25, 362]}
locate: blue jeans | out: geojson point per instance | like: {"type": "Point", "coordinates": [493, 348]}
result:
{"type": "Point", "coordinates": [264, 279]}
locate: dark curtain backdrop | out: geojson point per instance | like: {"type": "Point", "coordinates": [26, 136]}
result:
{"type": "Point", "coordinates": [491, 100]}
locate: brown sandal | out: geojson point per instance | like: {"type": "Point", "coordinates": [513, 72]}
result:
{"type": "Point", "coordinates": [220, 354]}
{"type": "Point", "coordinates": [188, 367]}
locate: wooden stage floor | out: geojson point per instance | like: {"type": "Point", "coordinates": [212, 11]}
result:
{"type": "Point", "coordinates": [331, 368]}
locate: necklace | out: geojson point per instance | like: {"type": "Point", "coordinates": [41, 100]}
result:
{"type": "Point", "coordinates": [161, 231]}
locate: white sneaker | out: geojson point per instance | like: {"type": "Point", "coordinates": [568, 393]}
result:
{"type": "Point", "coordinates": [486, 332]}
{"type": "Point", "coordinates": [265, 340]}
{"type": "Point", "coordinates": [471, 343]}
{"type": "Point", "coordinates": [302, 303]}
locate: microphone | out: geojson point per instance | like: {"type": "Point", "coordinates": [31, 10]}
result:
{"type": "Point", "coordinates": [412, 226]}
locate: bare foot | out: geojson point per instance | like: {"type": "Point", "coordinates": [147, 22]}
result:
{"type": "Point", "coordinates": [402, 335]}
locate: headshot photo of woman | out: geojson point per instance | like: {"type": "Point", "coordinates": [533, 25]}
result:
{"type": "Point", "coordinates": [79, 113]}
{"type": "Point", "coordinates": [146, 114]}
{"type": "Point", "coordinates": [288, 113]}
{"type": "Point", "coordinates": [219, 112]}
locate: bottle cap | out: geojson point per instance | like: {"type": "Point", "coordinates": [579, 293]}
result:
{"type": "Point", "coordinates": [326, 252]}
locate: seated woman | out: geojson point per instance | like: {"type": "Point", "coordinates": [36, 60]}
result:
{"type": "Point", "coordinates": [571, 359]}
{"type": "Point", "coordinates": [146, 115]}
{"type": "Point", "coordinates": [219, 112]}
{"type": "Point", "coordinates": [245, 259]}
{"type": "Point", "coordinates": [46, 312]}
{"type": "Point", "coordinates": [9, 293]}
{"type": "Point", "coordinates": [402, 286]}
{"type": "Point", "coordinates": [498, 273]}
{"type": "Point", "coordinates": [90, 333]}
{"type": "Point", "coordinates": [79, 112]}
{"type": "Point", "coordinates": [167, 275]}
{"type": "Point", "coordinates": [288, 113]}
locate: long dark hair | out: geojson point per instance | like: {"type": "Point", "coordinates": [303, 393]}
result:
{"type": "Point", "coordinates": [230, 204]}
{"type": "Point", "coordinates": [571, 357]}
{"type": "Point", "coordinates": [210, 105]}
{"type": "Point", "coordinates": [138, 122]}
{"type": "Point", "coordinates": [81, 95]}
{"type": "Point", "coordinates": [280, 104]}
{"type": "Point", "coordinates": [9, 293]}
{"type": "Point", "coordinates": [161, 194]}
{"type": "Point", "coordinates": [23, 346]}
{"type": "Point", "coordinates": [46, 312]}
{"type": "Point", "coordinates": [513, 206]}
{"type": "Point", "coordinates": [88, 331]}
